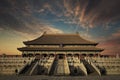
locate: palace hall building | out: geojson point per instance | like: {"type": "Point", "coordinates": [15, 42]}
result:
{"type": "Point", "coordinates": [60, 45]}
{"type": "Point", "coordinates": [60, 55]}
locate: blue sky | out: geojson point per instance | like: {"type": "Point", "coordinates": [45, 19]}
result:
{"type": "Point", "coordinates": [22, 20]}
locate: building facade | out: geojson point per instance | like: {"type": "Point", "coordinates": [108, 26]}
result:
{"type": "Point", "coordinates": [60, 45]}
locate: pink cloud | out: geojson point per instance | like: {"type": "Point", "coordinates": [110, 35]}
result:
{"type": "Point", "coordinates": [112, 44]}
{"type": "Point", "coordinates": [117, 34]}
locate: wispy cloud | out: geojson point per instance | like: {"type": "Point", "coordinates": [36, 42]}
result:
{"type": "Point", "coordinates": [29, 18]}
{"type": "Point", "coordinates": [91, 13]}
{"type": "Point", "coordinates": [111, 44]}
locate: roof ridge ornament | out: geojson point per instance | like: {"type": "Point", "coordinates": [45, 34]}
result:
{"type": "Point", "coordinates": [43, 33]}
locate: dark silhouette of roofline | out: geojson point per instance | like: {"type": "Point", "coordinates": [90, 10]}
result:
{"type": "Point", "coordinates": [56, 39]}
{"type": "Point", "coordinates": [59, 49]}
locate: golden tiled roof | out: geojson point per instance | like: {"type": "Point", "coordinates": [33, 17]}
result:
{"type": "Point", "coordinates": [59, 39]}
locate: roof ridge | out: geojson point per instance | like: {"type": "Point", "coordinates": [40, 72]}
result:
{"type": "Point", "coordinates": [61, 34]}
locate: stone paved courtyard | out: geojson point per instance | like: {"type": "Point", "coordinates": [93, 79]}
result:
{"type": "Point", "coordinates": [60, 77]}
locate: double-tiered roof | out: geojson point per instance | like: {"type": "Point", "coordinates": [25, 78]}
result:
{"type": "Point", "coordinates": [60, 39]}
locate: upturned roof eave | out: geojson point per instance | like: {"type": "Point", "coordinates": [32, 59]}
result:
{"type": "Point", "coordinates": [58, 49]}
{"type": "Point", "coordinates": [33, 43]}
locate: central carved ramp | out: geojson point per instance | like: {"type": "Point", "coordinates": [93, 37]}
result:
{"type": "Point", "coordinates": [62, 67]}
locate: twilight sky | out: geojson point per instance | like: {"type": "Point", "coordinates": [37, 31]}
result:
{"type": "Point", "coordinates": [95, 20]}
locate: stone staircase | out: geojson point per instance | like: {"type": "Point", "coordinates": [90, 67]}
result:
{"type": "Point", "coordinates": [82, 69]}
{"type": "Point", "coordinates": [28, 68]}
{"type": "Point", "coordinates": [51, 72]}
{"type": "Point", "coordinates": [62, 68]}
{"type": "Point", "coordinates": [90, 69]}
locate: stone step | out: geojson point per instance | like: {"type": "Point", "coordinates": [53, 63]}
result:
{"type": "Point", "coordinates": [62, 68]}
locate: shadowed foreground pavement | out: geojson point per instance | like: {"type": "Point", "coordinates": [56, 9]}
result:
{"type": "Point", "coordinates": [60, 77]}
